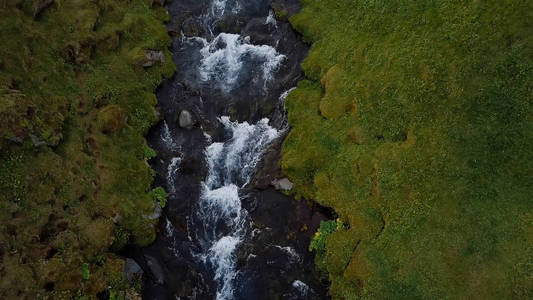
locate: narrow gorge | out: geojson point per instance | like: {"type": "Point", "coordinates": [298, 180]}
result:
{"type": "Point", "coordinates": [226, 232]}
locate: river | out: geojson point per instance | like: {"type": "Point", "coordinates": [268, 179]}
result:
{"type": "Point", "coordinates": [226, 233]}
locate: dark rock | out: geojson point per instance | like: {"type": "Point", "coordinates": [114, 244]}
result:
{"type": "Point", "coordinates": [155, 269]}
{"type": "Point", "coordinates": [231, 24]}
{"type": "Point", "coordinates": [153, 57]}
{"type": "Point", "coordinates": [259, 33]}
{"type": "Point", "coordinates": [269, 167]}
{"type": "Point", "coordinates": [173, 28]}
{"type": "Point", "coordinates": [192, 27]}
{"type": "Point", "coordinates": [40, 5]}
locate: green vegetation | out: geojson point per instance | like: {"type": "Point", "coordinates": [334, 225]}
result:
{"type": "Point", "coordinates": [160, 196]}
{"type": "Point", "coordinates": [75, 102]}
{"type": "Point", "coordinates": [416, 126]}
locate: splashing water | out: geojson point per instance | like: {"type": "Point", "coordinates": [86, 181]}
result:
{"type": "Point", "coordinates": [231, 165]}
{"type": "Point", "coordinates": [172, 170]}
{"type": "Point", "coordinates": [219, 7]}
{"type": "Point", "coordinates": [167, 137]}
{"type": "Point", "coordinates": [224, 57]}
{"type": "Point", "coordinates": [271, 19]}
{"type": "Point", "coordinates": [301, 287]}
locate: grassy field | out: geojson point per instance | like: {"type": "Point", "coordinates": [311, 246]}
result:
{"type": "Point", "coordinates": [416, 126]}
{"type": "Point", "coordinates": [75, 102]}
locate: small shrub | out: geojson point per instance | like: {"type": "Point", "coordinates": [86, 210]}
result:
{"type": "Point", "coordinates": [159, 195]}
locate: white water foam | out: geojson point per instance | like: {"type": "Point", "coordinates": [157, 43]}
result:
{"type": "Point", "coordinates": [301, 287]}
{"type": "Point", "coordinates": [221, 256]}
{"type": "Point", "coordinates": [167, 137]}
{"type": "Point", "coordinates": [293, 255]}
{"type": "Point", "coordinates": [285, 94]}
{"type": "Point", "coordinates": [223, 60]}
{"type": "Point", "coordinates": [172, 170]}
{"type": "Point", "coordinates": [219, 7]}
{"type": "Point", "coordinates": [231, 165]}
{"type": "Point", "coordinates": [271, 19]}
{"type": "Point", "coordinates": [169, 228]}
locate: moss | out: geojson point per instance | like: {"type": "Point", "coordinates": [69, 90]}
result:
{"type": "Point", "coordinates": [415, 126]}
{"type": "Point", "coordinates": [66, 79]}
{"type": "Point", "coordinates": [111, 118]}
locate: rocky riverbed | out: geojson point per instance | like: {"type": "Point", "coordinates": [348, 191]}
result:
{"type": "Point", "coordinates": [228, 231]}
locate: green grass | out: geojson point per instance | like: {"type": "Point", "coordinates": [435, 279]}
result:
{"type": "Point", "coordinates": [416, 126]}
{"type": "Point", "coordinates": [72, 77]}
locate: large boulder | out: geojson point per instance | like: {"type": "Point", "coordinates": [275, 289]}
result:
{"type": "Point", "coordinates": [283, 184]}
{"type": "Point", "coordinates": [186, 119]}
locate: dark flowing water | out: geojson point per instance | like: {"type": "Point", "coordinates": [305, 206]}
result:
{"type": "Point", "coordinates": [226, 233]}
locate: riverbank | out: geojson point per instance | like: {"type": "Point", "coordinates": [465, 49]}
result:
{"type": "Point", "coordinates": [76, 97]}
{"type": "Point", "coordinates": [415, 126]}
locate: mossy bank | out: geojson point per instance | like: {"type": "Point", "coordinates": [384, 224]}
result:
{"type": "Point", "coordinates": [76, 97]}
{"type": "Point", "coordinates": [416, 126]}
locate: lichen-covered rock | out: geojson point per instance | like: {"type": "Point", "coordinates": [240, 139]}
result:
{"type": "Point", "coordinates": [153, 57]}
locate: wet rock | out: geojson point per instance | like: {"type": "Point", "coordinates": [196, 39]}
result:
{"type": "Point", "coordinates": [186, 119]}
{"type": "Point", "coordinates": [132, 270]}
{"type": "Point", "coordinates": [232, 24]}
{"type": "Point", "coordinates": [173, 28]}
{"type": "Point", "coordinates": [155, 269]}
{"type": "Point", "coordinates": [192, 27]}
{"type": "Point", "coordinates": [268, 168]}
{"type": "Point", "coordinates": [153, 57]}
{"type": "Point", "coordinates": [259, 33]}
{"type": "Point", "coordinates": [283, 184]}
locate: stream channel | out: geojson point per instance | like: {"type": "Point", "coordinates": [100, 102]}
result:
{"type": "Point", "coordinates": [226, 232]}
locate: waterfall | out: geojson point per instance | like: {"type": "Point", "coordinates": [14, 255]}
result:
{"type": "Point", "coordinates": [231, 165]}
